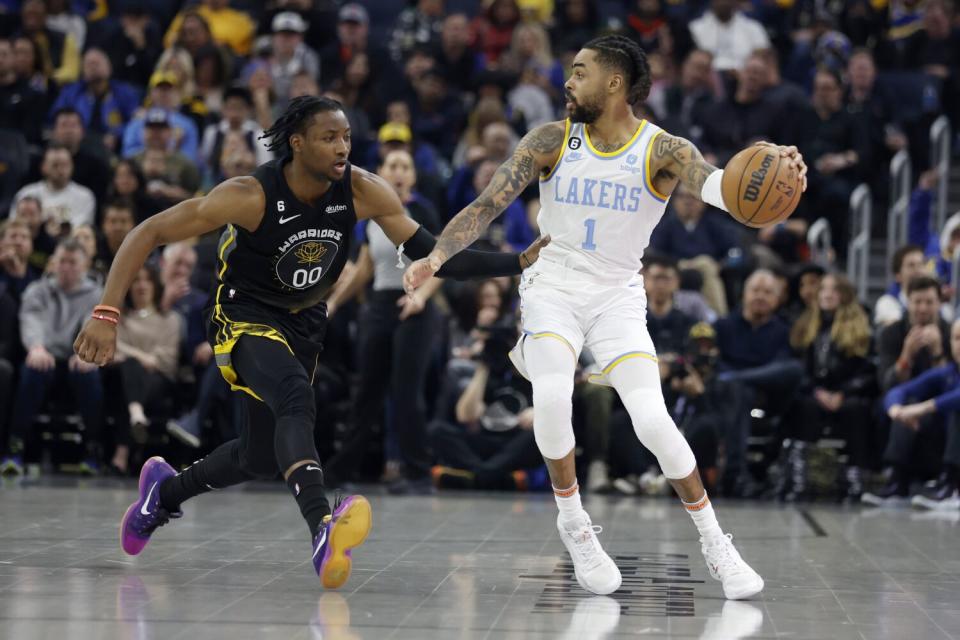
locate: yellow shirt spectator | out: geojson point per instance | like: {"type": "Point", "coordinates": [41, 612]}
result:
{"type": "Point", "coordinates": [229, 27]}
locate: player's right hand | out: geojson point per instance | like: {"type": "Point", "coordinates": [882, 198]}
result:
{"type": "Point", "coordinates": [97, 342]}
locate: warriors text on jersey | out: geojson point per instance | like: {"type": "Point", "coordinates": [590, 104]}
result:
{"type": "Point", "coordinates": [600, 208]}
{"type": "Point", "coordinates": [297, 252]}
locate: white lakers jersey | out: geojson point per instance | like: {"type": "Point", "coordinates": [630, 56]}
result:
{"type": "Point", "coordinates": [600, 208]}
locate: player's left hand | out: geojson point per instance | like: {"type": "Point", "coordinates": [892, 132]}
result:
{"type": "Point", "coordinates": [532, 253]}
{"type": "Point", "coordinates": [795, 157]}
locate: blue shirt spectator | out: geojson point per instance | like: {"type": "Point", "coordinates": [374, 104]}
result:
{"type": "Point", "coordinates": [165, 94]}
{"type": "Point", "coordinates": [689, 230]}
{"type": "Point", "coordinates": [940, 384]}
{"type": "Point", "coordinates": [105, 105]}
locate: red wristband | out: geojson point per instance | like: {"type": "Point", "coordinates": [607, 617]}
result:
{"type": "Point", "coordinates": [108, 308]}
{"type": "Point", "coordinates": [100, 316]}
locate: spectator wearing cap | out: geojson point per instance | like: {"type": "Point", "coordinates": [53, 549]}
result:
{"type": "Point", "coordinates": [728, 34]}
{"type": "Point", "coordinates": [352, 39]}
{"type": "Point", "coordinates": [21, 108]}
{"type": "Point", "coordinates": [235, 117]}
{"type": "Point", "coordinates": [229, 27]}
{"type": "Point", "coordinates": [64, 201]}
{"type": "Point", "coordinates": [105, 105]}
{"type": "Point", "coordinates": [132, 42]}
{"type": "Point", "coordinates": [91, 167]}
{"type": "Point", "coordinates": [393, 136]}
{"type": "Point", "coordinates": [165, 95]}
{"type": "Point", "coordinates": [420, 24]}
{"type": "Point", "coordinates": [290, 55]}
{"type": "Point", "coordinates": [171, 176]}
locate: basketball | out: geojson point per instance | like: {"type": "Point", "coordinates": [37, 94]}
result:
{"type": "Point", "coordinates": [759, 187]}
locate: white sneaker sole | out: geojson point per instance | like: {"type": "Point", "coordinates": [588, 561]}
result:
{"type": "Point", "coordinates": [604, 591]}
{"type": "Point", "coordinates": [948, 504]}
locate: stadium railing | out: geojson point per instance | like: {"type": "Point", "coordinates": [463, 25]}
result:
{"type": "Point", "coordinates": [858, 252]}
{"type": "Point", "coordinates": [901, 176]}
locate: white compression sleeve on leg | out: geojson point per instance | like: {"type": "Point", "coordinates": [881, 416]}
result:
{"type": "Point", "coordinates": [551, 366]}
{"type": "Point", "coordinates": [711, 192]}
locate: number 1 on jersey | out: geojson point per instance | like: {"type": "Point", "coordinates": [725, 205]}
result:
{"type": "Point", "coordinates": [588, 245]}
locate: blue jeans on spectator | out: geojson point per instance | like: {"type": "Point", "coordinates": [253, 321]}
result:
{"type": "Point", "coordinates": [779, 378]}
{"type": "Point", "coordinates": [32, 391]}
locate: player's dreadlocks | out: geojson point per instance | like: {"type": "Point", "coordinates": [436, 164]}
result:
{"type": "Point", "coordinates": [295, 120]}
{"type": "Point", "coordinates": [626, 56]}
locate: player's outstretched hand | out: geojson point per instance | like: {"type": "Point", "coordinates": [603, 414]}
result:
{"type": "Point", "coordinates": [419, 272]}
{"type": "Point", "coordinates": [97, 342]}
{"type": "Point", "coordinates": [796, 158]}
{"type": "Point", "coordinates": [532, 253]}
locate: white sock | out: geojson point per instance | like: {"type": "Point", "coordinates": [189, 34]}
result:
{"type": "Point", "coordinates": [568, 500]}
{"type": "Point", "coordinates": [703, 516]}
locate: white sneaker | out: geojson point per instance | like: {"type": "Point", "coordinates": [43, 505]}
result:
{"type": "Point", "coordinates": [726, 565]}
{"type": "Point", "coordinates": [947, 504]}
{"type": "Point", "coordinates": [595, 570]}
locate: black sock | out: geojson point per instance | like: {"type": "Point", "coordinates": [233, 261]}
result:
{"type": "Point", "coordinates": [218, 470]}
{"type": "Point", "coordinates": [306, 485]}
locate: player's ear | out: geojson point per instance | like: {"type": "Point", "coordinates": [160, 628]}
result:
{"type": "Point", "coordinates": [296, 142]}
{"type": "Point", "coordinates": [616, 83]}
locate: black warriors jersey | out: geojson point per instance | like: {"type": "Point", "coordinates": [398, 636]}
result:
{"type": "Point", "coordinates": [297, 252]}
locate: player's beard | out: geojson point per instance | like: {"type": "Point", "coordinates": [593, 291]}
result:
{"type": "Point", "coordinates": [586, 112]}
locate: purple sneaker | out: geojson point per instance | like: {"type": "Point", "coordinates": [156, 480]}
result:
{"type": "Point", "coordinates": [345, 529]}
{"type": "Point", "coordinates": [146, 514]}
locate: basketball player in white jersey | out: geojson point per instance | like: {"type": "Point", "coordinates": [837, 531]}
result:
{"type": "Point", "coordinates": [605, 178]}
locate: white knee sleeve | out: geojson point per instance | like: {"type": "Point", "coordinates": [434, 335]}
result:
{"type": "Point", "coordinates": [658, 433]}
{"type": "Point", "coordinates": [553, 414]}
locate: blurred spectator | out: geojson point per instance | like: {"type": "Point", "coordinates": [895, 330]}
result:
{"type": "Point", "coordinates": [196, 102]}
{"type": "Point", "coordinates": [437, 115]}
{"type": "Point", "coordinates": [701, 240]}
{"type": "Point", "coordinates": [16, 245]}
{"type": "Point", "coordinates": [229, 27]}
{"type": "Point", "coordinates": [289, 55]}
{"type": "Point", "coordinates": [833, 339]}
{"type": "Point", "coordinates": [739, 120]}
{"type": "Point", "coordinates": [128, 183]}
{"type": "Point", "coordinates": [804, 288]}
{"type": "Point", "coordinates": [91, 167]}
{"type": "Point", "coordinates": [105, 105]}
{"type": "Point", "coordinates": [132, 42]}
{"type": "Point", "coordinates": [359, 88]}
{"type": "Point", "coordinates": [30, 66]}
{"type": "Point", "coordinates": [728, 34]}
{"type": "Point", "coordinates": [577, 23]}
{"type": "Point", "coordinates": [511, 228]}
{"type": "Point", "coordinates": [469, 149]}
{"type": "Point", "coordinates": [868, 102]}
{"type": "Point", "coordinates": [938, 247]}
{"type": "Point", "coordinates": [51, 313]}
{"type": "Point", "coordinates": [64, 201]}
{"type": "Point", "coordinates": [119, 219]}
{"type": "Point", "coordinates": [62, 17]}
{"type": "Point", "coordinates": [165, 94]}
{"type": "Point", "coordinates": [540, 81]}
{"type": "Point", "coordinates": [171, 176]}
{"type": "Point", "coordinates": [483, 434]}
{"type": "Point", "coordinates": [649, 24]}
{"type": "Point", "coordinates": [397, 335]}
{"type": "Point", "coordinates": [457, 56]}
{"type": "Point", "coordinates": [679, 105]}
{"type": "Point", "coordinates": [921, 410]}
{"type": "Point", "coordinates": [58, 50]}
{"type": "Point", "coordinates": [235, 117]}
{"type": "Point", "coordinates": [668, 326]}
{"type": "Point", "coordinates": [755, 356]}
{"type": "Point", "coordinates": [918, 341]}
{"type": "Point", "coordinates": [148, 341]}
{"type": "Point", "coordinates": [396, 135]}
{"type": "Point", "coordinates": [908, 263]}
{"type": "Point", "coordinates": [30, 210]}
{"type": "Point", "coordinates": [838, 145]}
{"type": "Point", "coordinates": [353, 38]}
{"type": "Point", "coordinates": [493, 28]}
{"type": "Point", "coordinates": [420, 24]}
{"type": "Point", "coordinates": [86, 237]}
{"type": "Point", "coordinates": [21, 108]}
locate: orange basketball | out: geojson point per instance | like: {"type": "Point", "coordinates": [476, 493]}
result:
{"type": "Point", "coordinates": [759, 187]}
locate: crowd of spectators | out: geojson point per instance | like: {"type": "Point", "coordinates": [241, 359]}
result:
{"type": "Point", "coordinates": [111, 111]}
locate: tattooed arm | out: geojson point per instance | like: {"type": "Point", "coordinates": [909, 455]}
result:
{"type": "Point", "coordinates": [675, 160]}
{"type": "Point", "coordinates": [536, 153]}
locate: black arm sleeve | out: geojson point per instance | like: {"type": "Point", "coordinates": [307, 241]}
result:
{"type": "Point", "coordinates": [467, 263]}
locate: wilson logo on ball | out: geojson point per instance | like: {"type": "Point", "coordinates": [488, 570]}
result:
{"type": "Point", "coordinates": [756, 179]}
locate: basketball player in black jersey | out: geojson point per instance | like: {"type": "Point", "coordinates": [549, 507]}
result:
{"type": "Point", "coordinates": [288, 230]}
